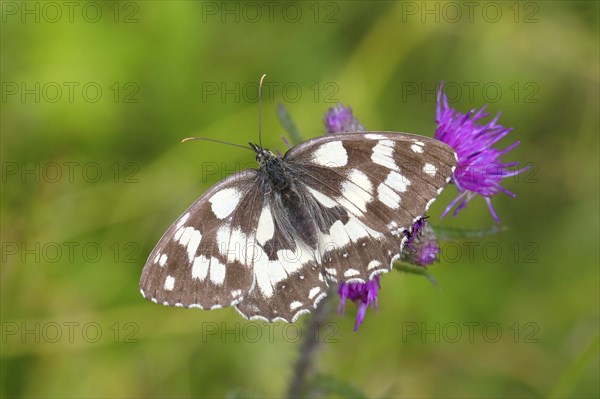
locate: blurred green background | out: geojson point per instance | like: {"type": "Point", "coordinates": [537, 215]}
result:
{"type": "Point", "coordinates": [97, 95]}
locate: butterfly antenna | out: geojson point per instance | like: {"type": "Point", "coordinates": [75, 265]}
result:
{"type": "Point", "coordinates": [216, 141]}
{"type": "Point", "coordinates": [260, 83]}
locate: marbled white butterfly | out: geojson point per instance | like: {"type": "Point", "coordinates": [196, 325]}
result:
{"type": "Point", "coordinates": [270, 240]}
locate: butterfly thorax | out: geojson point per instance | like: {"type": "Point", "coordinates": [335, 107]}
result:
{"type": "Point", "coordinates": [288, 204]}
{"type": "Point", "coordinates": [273, 167]}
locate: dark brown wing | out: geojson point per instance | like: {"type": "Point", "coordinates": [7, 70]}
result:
{"type": "Point", "coordinates": [205, 259]}
{"type": "Point", "coordinates": [384, 180]}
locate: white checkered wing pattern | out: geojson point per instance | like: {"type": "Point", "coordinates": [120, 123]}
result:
{"type": "Point", "coordinates": [205, 259]}
{"type": "Point", "coordinates": [269, 241]}
{"type": "Point", "coordinates": [385, 181]}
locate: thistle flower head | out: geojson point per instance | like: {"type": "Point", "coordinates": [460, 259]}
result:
{"type": "Point", "coordinates": [363, 294]}
{"type": "Point", "coordinates": [339, 119]}
{"type": "Point", "coordinates": [479, 170]}
{"type": "Point", "coordinates": [421, 247]}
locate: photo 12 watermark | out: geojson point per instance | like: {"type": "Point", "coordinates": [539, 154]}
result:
{"type": "Point", "coordinates": [35, 92]}
{"type": "Point", "coordinates": [469, 332]}
{"type": "Point", "coordinates": [452, 12]}
{"type": "Point", "coordinates": [52, 12]}
{"type": "Point", "coordinates": [69, 332]}
{"type": "Point", "coordinates": [255, 332]}
{"type": "Point", "coordinates": [287, 92]}
{"type": "Point", "coordinates": [252, 12]}
{"type": "Point", "coordinates": [472, 91]}
{"type": "Point", "coordinates": [466, 251]}
{"type": "Point", "coordinates": [70, 172]}
{"type": "Point", "coordinates": [70, 252]}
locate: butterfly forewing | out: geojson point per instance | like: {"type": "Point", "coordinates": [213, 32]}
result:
{"type": "Point", "coordinates": [385, 180]}
{"type": "Point", "coordinates": [204, 260]}
{"type": "Point", "coordinates": [269, 241]}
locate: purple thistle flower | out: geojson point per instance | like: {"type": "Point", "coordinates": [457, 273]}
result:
{"type": "Point", "coordinates": [363, 294]}
{"type": "Point", "coordinates": [428, 253]}
{"type": "Point", "coordinates": [339, 119]}
{"type": "Point", "coordinates": [479, 170]}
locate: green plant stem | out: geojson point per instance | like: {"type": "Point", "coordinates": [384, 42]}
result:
{"type": "Point", "coordinates": [308, 349]}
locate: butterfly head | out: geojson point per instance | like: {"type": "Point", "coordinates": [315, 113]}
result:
{"type": "Point", "coordinates": [263, 156]}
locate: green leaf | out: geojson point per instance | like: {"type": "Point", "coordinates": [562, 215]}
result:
{"type": "Point", "coordinates": [413, 269]}
{"type": "Point", "coordinates": [565, 384]}
{"type": "Point", "coordinates": [447, 233]}
{"type": "Point", "coordinates": [288, 124]}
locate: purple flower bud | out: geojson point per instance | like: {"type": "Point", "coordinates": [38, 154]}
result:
{"type": "Point", "coordinates": [421, 247]}
{"type": "Point", "coordinates": [339, 119]}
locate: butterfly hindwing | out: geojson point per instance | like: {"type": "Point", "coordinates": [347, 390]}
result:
{"type": "Point", "coordinates": [287, 272]}
{"type": "Point", "coordinates": [288, 285]}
